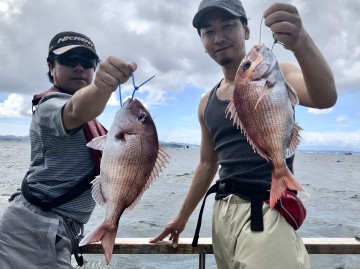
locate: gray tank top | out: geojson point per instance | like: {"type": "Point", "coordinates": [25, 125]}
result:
{"type": "Point", "coordinates": [239, 163]}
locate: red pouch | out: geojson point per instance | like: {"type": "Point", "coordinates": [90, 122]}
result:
{"type": "Point", "coordinates": [291, 207]}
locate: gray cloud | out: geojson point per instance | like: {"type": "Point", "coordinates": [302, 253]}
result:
{"type": "Point", "coordinates": [158, 35]}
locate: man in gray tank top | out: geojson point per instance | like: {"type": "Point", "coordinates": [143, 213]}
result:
{"type": "Point", "coordinates": [223, 30]}
{"type": "Point", "coordinates": [35, 231]}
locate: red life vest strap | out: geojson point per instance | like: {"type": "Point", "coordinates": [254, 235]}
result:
{"type": "Point", "coordinates": [91, 129]}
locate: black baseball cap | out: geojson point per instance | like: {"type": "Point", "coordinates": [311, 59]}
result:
{"type": "Point", "coordinates": [65, 41]}
{"type": "Point", "coordinates": [234, 7]}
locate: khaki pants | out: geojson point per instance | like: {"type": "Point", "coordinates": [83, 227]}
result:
{"type": "Point", "coordinates": [237, 247]}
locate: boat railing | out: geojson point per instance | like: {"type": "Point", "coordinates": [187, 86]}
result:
{"type": "Point", "coordinates": [142, 246]}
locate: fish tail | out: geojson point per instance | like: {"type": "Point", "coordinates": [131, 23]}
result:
{"type": "Point", "coordinates": [108, 242]}
{"type": "Point", "coordinates": [281, 181]}
{"type": "Point", "coordinates": [104, 233]}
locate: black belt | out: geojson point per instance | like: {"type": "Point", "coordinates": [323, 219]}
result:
{"type": "Point", "coordinates": [256, 199]}
{"type": "Point", "coordinates": [47, 205]}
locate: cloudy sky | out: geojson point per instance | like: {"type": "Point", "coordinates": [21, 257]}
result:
{"type": "Point", "coordinates": [159, 37]}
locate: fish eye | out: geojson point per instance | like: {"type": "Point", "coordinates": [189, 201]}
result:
{"type": "Point", "coordinates": [246, 65]}
{"type": "Point", "coordinates": [142, 117]}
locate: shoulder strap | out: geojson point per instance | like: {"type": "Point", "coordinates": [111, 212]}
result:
{"type": "Point", "coordinates": [37, 97]}
{"type": "Point", "coordinates": [94, 129]}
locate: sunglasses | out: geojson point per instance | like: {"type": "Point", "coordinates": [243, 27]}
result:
{"type": "Point", "coordinates": [74, 60]}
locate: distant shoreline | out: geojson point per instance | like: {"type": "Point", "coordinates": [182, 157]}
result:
{"type": "Point", "coordinates": [164, 144]}
{"type": "Point", "coordinates": [14, 138]}
{"type": "Point", "coordinates": [185, 146]}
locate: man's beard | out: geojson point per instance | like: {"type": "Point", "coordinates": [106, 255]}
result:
{"type": "Point", "coordinates": [225, 61]}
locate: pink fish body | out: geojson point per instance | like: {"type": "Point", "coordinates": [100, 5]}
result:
{"type": "Point", "coordinates": [131, 160]}
{"type": "Point", "coordinates": [262, 107]}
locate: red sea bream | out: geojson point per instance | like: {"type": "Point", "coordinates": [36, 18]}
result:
{"type": "Point", "coordinates": [262, 106]}
{"type": "Point", "coordinates": [131, 160]}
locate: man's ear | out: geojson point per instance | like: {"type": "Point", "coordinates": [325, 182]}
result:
{"type": "Point", "coordinates": [247, 32]}
{"type": "Point", "coordinates": [51, 67]}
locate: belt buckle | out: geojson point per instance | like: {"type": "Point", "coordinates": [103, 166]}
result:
{"type": "Point", "coordinates": [227, 188]}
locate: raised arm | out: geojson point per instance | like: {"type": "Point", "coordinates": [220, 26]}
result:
{"type": "Point", "coordinates": [203, 177]}
{"type": "Point", "coordinates": [314, 81]}
{"type": "Point", "coordinates": [89, 102]}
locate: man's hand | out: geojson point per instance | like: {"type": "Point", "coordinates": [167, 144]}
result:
{"type": "Point", "coordinates": [173, 229]}
{"type": "Point", "coordinates": [112, 72]}
{"type": "Point", "coordinates": [285, 22]}
{"type": "Point", "coordinates": [90, 101]}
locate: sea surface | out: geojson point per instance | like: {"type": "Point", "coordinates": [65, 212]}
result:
{"type": "Point", "coordinates": [333, 208]}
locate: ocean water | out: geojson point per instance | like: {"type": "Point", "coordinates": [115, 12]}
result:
{"type": "Point", "coordinates": [333, 208]}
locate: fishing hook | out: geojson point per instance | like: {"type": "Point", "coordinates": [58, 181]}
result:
{"type": "Point", "coordinates": [276, 41]}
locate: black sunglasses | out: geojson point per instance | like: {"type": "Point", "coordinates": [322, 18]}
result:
{"type": "Point", "coordinates": [74, 60]}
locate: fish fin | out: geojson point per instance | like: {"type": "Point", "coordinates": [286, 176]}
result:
{"type": "Point", "coordinates": [94, 236]}
{"type": "Point", "coordinates": [294, 99]}
{"type": "Point", "coordinates": [97, 192]}
{"type": "Point", "coordinates": [161, 161]}
{"type": "Point", "coordinates": [264, 92]}
{"type": "Point", "coordinates": [271, 80]}
{"type": "Point", "coordinates": [108, 242]}
{"type": "Point", "coordinates": [120, 136]}
{"type": "Point", "coordinates": [138, 198]}
{"type": "Point", "coordinates": [97, 143]}
{"type": "Point", "coordinates": [280, 182]}
{"type": "Point", "coordinates": [257, 149]}
{"type": "Point", "coordinates": [231, 110]}
{"type": "Point", "coordinates": [295, 140]}
{"type": "Point", "coordinates": [105, 233]}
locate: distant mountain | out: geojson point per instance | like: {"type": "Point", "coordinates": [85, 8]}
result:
{"type": "Point", "coordinates": [316, 149]}
{"type": "Point", "coordinates": [177, 145]}
{"type": "Point", "coordinates": [14, 138]}
{"type": "Point", "coordinates": [333, 150]}
{"type": "Point", "coordinates": [165, 144]}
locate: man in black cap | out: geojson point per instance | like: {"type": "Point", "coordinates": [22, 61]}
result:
{"type": "Point", "coordinates": [244, 175]}
{"type": "Point", "coordinates": [69, 48]}
{"type": "Point", "coordinates": [44, 221]}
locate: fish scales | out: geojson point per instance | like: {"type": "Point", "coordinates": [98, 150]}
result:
{"type": "Point", "coordinates": [262, 108]}
{"type": "Point", "coordinates": [131, 160]}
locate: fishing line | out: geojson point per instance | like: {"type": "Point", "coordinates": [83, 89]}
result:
{"type": "Point", "coordinates": [275, 41]}
{"type": "Point", "coordinates": [273, 34]}
{"type": "Point", "coordinates": [135, 87]}
{"type": "Point", "coordinates": [261, 21]}
{"type": "Point", "coordinates": [120, 95]}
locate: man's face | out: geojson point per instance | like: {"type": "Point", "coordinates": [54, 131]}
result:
{"type": "Point", "coordinates": [223, 37]}
{"type": "Point", "coordinates": [68, 71]}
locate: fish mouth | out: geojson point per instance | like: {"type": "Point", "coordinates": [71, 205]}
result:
{"type": "Point", "coordinates": [256, 52]}
{"type": "Point", "coordinates": [129, 103]}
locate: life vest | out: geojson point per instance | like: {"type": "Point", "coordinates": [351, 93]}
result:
{"type": "Point", "coordinates": [91, 130]}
